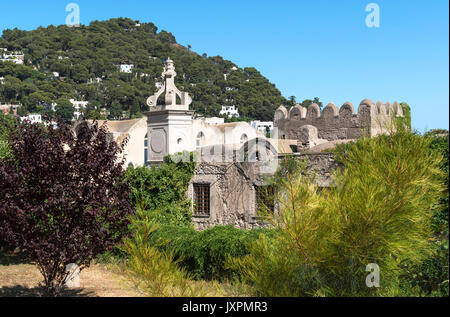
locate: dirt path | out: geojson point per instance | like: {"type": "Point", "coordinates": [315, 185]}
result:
{"type": "Point", "coordinates": [18, 278]}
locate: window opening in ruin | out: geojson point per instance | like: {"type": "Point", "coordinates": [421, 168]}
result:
{"type": "Point", "coordinates": [201, 199]}
{"type": "Point", "coordinates": [265, 198]}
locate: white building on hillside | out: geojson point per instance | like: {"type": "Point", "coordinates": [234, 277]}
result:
{"type": "Point", "coordinates": [15, 57]}
{"type": "Point", "coordinates": [230, 111]}
{"type": "Point", "coordinates": [79, 106]}
{"type": "Point", "coordinates": [126, 68]}
{"type": "Point", "coordinates": [32, 118]}
{"type": "Point", "coordinates": [9, 108]}
{"type": "Point", "coordinates": [262, 126]}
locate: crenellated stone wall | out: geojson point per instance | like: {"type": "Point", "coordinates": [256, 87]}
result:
{"type": "Point", "coordinates": [337, 124]}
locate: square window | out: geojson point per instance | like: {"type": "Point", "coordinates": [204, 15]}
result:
{"type": "Point", "coordinates": [201, 200]}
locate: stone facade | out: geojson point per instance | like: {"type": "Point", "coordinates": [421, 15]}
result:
{"type": "Point", "coordinates": [232, 186]}
{"type": "Point", "coordinates": [235, 159]}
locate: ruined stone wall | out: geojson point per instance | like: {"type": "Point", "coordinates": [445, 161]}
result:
{"type": "Point", "coordinates": [337, 124]}
{"type": "Point", "coordinates": [232, 189]}
{"type": "Point", "coordinates": [231, 195]}
{"type": "Point", "coordinates": [323, 165]}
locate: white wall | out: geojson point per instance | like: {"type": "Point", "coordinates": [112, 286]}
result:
{"type": "Point", "coordinates": [134, 150]}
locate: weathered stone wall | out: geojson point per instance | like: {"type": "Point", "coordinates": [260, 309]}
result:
{"type": "Point", "coordinates": [337, 124]}
{"type": "Point", "coordinates": [232, 189]}
{"type": "Point", "coordinates": [323, 165]}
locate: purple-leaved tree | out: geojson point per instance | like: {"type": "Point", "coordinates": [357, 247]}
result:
{"type": "Point", "coordinates": [62, 197]}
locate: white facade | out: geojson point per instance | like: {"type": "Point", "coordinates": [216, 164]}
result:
{"type": "Point", "coordinates": [172, 127]}
{"type": "Point", "coordinates": [214, 120]}
{"type": "Point", "coordinates": [126, 68]}
{"type": "Point", "coordinates": [32, 118]}
{"type": "Point", "coordinates": [15, 57]}
{"type": "Point", "coordinates": [262, 126]}
{"type": "Point", "coordinates": [94, 80]}
{"type": "Point", "coordinates": [4, 109]}
{"type": "Point", "coordinates": [230, 134]}
{"type": "Point", "coordinates": [9, 108]}
{"type": "Point", "coordinates": [230, 111]}
{"type": "Point", "coordinates": [136, 132]}
{"type": "Point", "coordinates": [78, 105]}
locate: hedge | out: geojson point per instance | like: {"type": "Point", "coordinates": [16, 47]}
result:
{"type": "Point", "coordinates": [203, 253]}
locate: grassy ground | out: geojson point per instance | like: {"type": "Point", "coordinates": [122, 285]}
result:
{"type": "Point", "coordinates": [19, 278]}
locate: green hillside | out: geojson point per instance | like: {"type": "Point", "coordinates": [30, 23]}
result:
{"type": "Point", "coordinates": [81, 55]}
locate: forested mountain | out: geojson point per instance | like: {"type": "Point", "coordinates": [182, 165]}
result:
{"type": "Point", "coordinates": [87, 59]}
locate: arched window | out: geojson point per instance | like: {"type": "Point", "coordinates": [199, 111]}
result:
{"type": "Point", "coordinates": [199, 140]}
{"type": "Point", "coordinates": [244, 138]}
{"type": "Point", "coordinates": [146, 149]}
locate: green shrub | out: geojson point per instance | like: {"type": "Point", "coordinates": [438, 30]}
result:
{"type": "Point", "coordinates": [203, 253]}
{"type": "Point", "coordinates": [288, 265]}
{"type": "Point", "coordinates": [383, 200]}
{"type": "Point", "coordinates": [161, 190]}
{"type": "Point", "coordinates": [155, 273]}
{"type": "Point", "coordinates": [6, 127]}
{"type": "Point", "coordinates": [273, 270]}
{"type": "Point", "coordinates": [379, 212]}
{"type": "Point", "coordinates": [431, 277]}
{"type": "Point", "coordinates": [406, 114]}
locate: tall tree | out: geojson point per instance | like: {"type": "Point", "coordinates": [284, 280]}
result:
{"type": "Point", "coordinates": [308, 102]}
{"type": "Point", "coordinates": [64, 109]}
{"type": "Point", "coordinates": [292, 101]}
{"type": "Point", "coordinates": [62, 198]}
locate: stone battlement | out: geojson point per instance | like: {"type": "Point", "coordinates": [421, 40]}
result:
{"type": "Point", "coordinates": [336, 124]}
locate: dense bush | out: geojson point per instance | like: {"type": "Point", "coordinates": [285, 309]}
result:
{"type": "Point", "coordinates": [203, 253]}
{"type": "Point", "coordinates": [161, 190]}
{"type": "Point", "coordinates": [431, 277]}
{"type": "Point", "coordinates": [273, 270]}
{"type": "Point", "coordinates": [379, 212]}
{"type": "Point", "coordinates": [7, 125]}
{"type": "Point", "coordinates": [154, 271]}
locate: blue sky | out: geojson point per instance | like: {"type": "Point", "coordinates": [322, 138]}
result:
{"type": "Point", "coordinates": [306, 48]}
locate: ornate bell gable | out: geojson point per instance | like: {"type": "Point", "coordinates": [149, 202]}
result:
{"type": "Point", "coordinates": [171, 92]}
